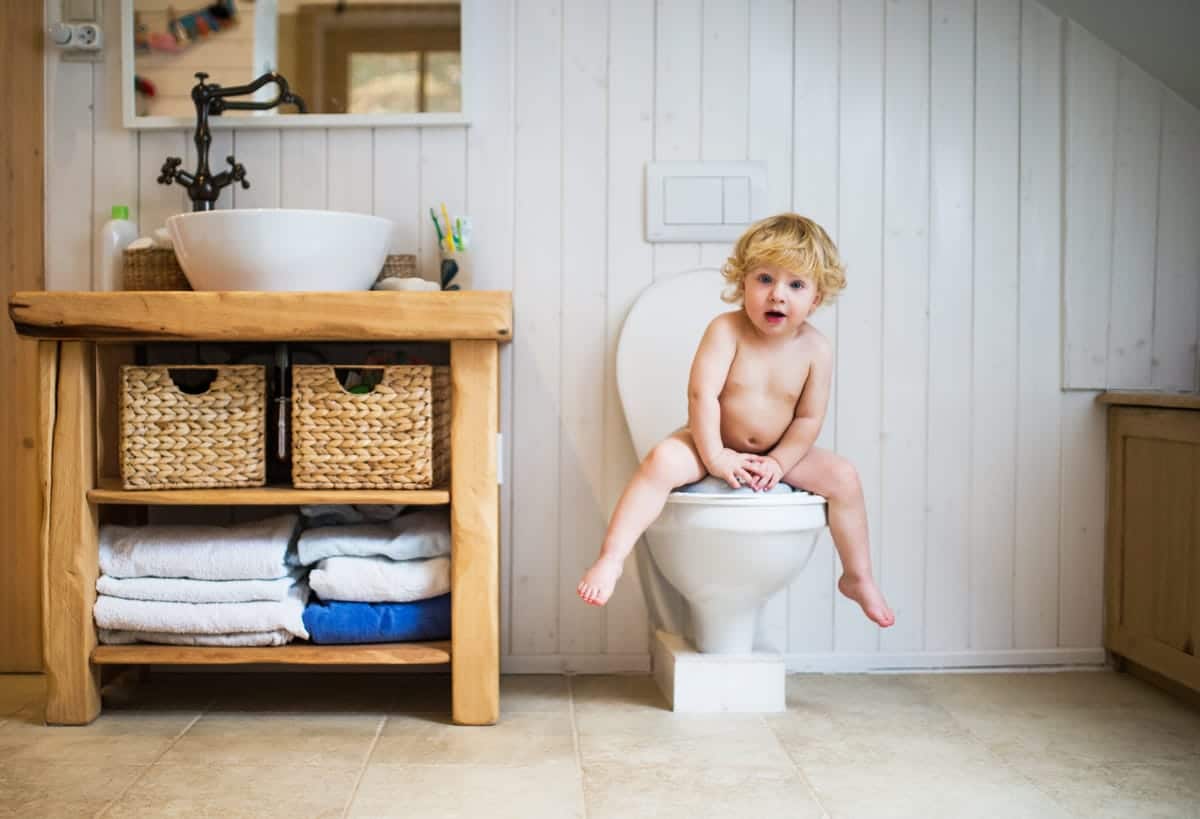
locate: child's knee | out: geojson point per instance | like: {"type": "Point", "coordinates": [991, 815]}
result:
{"type": "Point", "coordinates": [844, 478]}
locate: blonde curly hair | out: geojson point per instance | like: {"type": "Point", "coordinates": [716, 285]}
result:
{"type": "Point", "coordinates": [789, 241]}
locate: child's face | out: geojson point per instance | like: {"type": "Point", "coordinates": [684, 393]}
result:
{"type": "Point", "coordinates": [779, 301]}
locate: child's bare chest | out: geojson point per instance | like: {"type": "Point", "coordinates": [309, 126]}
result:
{"type": "Point", "coordinates": [773, 376]}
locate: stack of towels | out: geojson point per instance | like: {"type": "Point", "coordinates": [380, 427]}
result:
{"type": "Point", "coordinates": [238, 585]}
{"type": "Point", "coordinates": [377, 581]}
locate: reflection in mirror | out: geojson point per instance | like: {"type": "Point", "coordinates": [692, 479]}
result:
{"type": "Point", "coordinates": [340, 56]}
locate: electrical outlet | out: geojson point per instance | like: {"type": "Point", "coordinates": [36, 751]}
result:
{"type": "Point", "coordinates": [80, 42]}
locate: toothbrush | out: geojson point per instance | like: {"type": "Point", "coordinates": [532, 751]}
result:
{"type": "Point", "coordinates": [436, 226]}
{"type": "Point", "coordinates": [458, 240]}
{"type": "Point", "coordinates": [449, 239]}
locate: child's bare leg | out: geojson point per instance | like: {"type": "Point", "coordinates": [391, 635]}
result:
{"type": "Point", "coordinates": [671, 464]}
{"type": "Point", "coordinates": [833, 477]}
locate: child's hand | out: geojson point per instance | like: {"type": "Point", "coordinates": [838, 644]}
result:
{"type": "Point", "coordinates": [767, 473]}
{"type": "Point", "coordinates": [735, 468]}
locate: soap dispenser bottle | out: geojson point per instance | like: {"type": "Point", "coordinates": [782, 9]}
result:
{"type": "Point", "coordinates": [114, 237]}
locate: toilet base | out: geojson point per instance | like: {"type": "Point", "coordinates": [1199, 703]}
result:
{"type": "Point", "coordinates": [712, 683]}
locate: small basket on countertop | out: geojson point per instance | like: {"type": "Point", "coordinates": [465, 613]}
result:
{"type": "Point", "coordinates": [398, 265]}
{"type": "Point", "coordinates": [172, 439]}
{"type": "Point", "coordinates": [152, 268]}
{"type": "Point", "coordinates": [396, 436]}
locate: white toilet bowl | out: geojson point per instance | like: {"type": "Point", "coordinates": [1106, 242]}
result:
{"type": "Point", "coordinates": [728, 555]}
{"type": "Point", "coordinates": [724, 554]}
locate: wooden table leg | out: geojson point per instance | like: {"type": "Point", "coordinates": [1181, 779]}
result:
{"type": "Point", "coordinates": [475, 533]}
{"type": "Point", "coordinates": [69, 529]}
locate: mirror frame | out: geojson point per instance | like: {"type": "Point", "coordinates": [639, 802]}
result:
{"type": "Point", "coordinates": [134, 122]}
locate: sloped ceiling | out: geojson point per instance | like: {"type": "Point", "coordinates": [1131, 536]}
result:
{"type": "Point", "coordinates": [1161, 36]}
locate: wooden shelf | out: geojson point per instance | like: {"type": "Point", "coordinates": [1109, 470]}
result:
{"type": "Point", "coordinates": [110, 491]}
{"type": "Point", "coordinates": [293, 653]}
{"type": "Point", "coordinates": [253, 316]}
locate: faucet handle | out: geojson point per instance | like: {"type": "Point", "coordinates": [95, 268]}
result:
{"type": "Point", "coordinates": [169, 169]}
{"type": "Point", "coordinates": [238, 174]}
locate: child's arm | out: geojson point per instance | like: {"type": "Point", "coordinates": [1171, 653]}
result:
{"type": "Point", "coordinates": [710, 368]}
{"type": "Point", "coordinates": [810, 410]}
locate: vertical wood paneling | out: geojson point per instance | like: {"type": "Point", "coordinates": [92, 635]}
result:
{"type": "Point", "coordinates": [1039, 402]}
{"type": "Point", "coordinates": [537, 335]}
{"type": "Point", "coordinates": [259, 152]}
{"type": "Point", "coordinates": [679, 36]}
{"type": "Point", "coordinates": [815, 137]}
{"type": "Point", "coordinates": [952, 191]}
{"type": "Point", "coordinates": [155, 201]}
{"type": "Point", "coordinates": [304, 161]}
{"type": "Point", "coordinates": [396, 190]}
{"type": "Point", "coordinates": [584, 227]}
{"type": "Point", "coordinates": [943, 390]}
{"type": "Point", "coordinates": [994, 368]}
{"type": "Point", "coordinates": [770, 138]}
{"type": "Point", "coordinates": [1091, 107]}
{"type": "Point", "coordinates": [860, 308]}
{"type": "Point", "coordinates": [901, 570]}
{"type": "Point", "coordinates": [724, 95]}
{"type": "Point", "coordinates": [351, 170]}
{"type": "Point", "coordinates": [69, 136]}
{"type": "Point", "coordinates": [630, 270]}
{"type": "Point", "coordinates": [488, 73]}
{"type": "Point", "coordinates": [443, 179]}
{"type": "Point", "coordinates": [1177, 274]}
{"type": "Point", "coordinates": [115, 177]}
{"type": "Point", "coordinates": [1081, 522]}
{"type": "Point", "coordinates": [1135, 216]}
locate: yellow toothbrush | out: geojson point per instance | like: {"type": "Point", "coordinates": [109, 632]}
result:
{"type": "Point", "coordinates": [449, 227]}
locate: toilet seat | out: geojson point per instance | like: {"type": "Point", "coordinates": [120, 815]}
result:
{"type": "Point", "coordinates": [797, 498]}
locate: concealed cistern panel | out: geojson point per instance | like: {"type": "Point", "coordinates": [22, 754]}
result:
{"type": "Point", "coordinates": [703, 201]}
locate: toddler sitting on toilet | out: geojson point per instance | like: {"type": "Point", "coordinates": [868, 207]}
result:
{"type": "Point", "coordinates": [757, 395]}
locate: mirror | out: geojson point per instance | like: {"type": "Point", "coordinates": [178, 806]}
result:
{"type": "Point", "coordinates": [352, 62]}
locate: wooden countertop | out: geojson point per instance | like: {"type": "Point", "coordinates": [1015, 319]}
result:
{"type": "Point", "coordinates": [261, 316]}
{"type": "Point", "coordinates": [1165, 400]}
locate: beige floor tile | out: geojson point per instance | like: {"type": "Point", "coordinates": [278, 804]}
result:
{"type": "Point", "coordinates": [1169, 789]}
{"type": "Point", "coordinates": [253, 791]}
{"type": "Point", "coordinates": [622, 791]}
{"type": "Point", "coordinates": [856, 693]}
{"type": "Point", "coordinates": [20, 690]}
{"type": "Point", "coordinates": [617, 692]}
{"type": "Point", "coordinates": [39, 789]}
{"type": "Point", "coordinates": [518, 739]}
{"type": "Point", "coordinates": [336, 741]}
{"type": "Point", "coordinates": [1101, 687]}
{"type": "Point", "coordinates": [653, 739]}
{"type": "Point", "coordinates": [550, 790]}
{"type": "Point", "coordinates": [118, 738]}
{"type": "Point", "coordinates": [520, 693]}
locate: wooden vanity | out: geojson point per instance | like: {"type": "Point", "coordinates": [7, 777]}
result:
{"type": "Point", "coordinates": [85, 337]}
{"type": "Point", "coordinates": [1152, 564]}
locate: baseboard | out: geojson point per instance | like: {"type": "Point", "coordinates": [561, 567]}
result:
{"type": "Point", "coordinates": [830, 662]}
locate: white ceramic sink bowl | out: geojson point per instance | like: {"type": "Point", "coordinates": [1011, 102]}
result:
{"type": "Point", "coordinates": [280, 249]}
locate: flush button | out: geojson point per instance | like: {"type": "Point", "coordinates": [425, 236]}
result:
{"type": "Point", "coordinates": [737, 200]}
{"type": "Point", "coordinates": [692, 200]}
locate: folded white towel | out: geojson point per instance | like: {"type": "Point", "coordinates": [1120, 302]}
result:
{"type": "Point", "coordinates": [245, 551]}
{"type": "Point", "coordinates": [247, 638]}
{"type": "Point", "coordinates": [185, 590]}
{"type": "Point", "coordinates": [380, 579]}
{"type": "Point", "coordinates": [204, 618]}
{"type": "Point", "coordinates": [421, 534]}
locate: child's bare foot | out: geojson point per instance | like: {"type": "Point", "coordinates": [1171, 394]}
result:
{"type": "Point", "coordinates": [598, 582]}
{"type": "Point", "coordinates": [862, 590]}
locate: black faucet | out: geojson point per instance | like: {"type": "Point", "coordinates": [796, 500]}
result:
{"type": "Point", "coordinates": [203, 187]}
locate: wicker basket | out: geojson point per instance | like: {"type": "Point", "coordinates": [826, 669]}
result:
{"type": "Point", "coordinates": [171, 439]}
{"type": "Point", "coordinates": [395, 437]}
{"type": "Point", "coordinates": [401, 265]}
{"type": "Point", "coordinates": [152, 268]}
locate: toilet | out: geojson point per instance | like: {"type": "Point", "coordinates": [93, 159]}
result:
{"type": "Point", "coordinates": [723, 555]}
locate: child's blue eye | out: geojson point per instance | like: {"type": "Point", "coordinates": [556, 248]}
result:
{"type": "Point", "coordinates": [764, 278]}
{"type": "Point", "coordinates": [798, 284]}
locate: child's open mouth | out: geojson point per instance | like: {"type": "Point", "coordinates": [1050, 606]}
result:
{"type": "Point", "coordinates": [774, 317]}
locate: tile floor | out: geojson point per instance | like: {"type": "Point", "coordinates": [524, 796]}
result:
{"type": "Point", "coordinates": [1088, 744]}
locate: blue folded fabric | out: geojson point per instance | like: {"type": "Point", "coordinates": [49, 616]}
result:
{"type": "Point", "coordinates": [336, 621]}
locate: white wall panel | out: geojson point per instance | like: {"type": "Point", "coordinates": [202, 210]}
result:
{"type": "Point", "coordinates": [928, 138]}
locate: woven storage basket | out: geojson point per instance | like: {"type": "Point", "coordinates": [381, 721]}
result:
{"type": "Point", "coordinates": [403, 265]}
{"type": "Point", "coordinates": [171, 439]}
{"type": "Point", "coordinates": [395, 437]}
{"type": "Point", "coordinates": [152, 268]}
